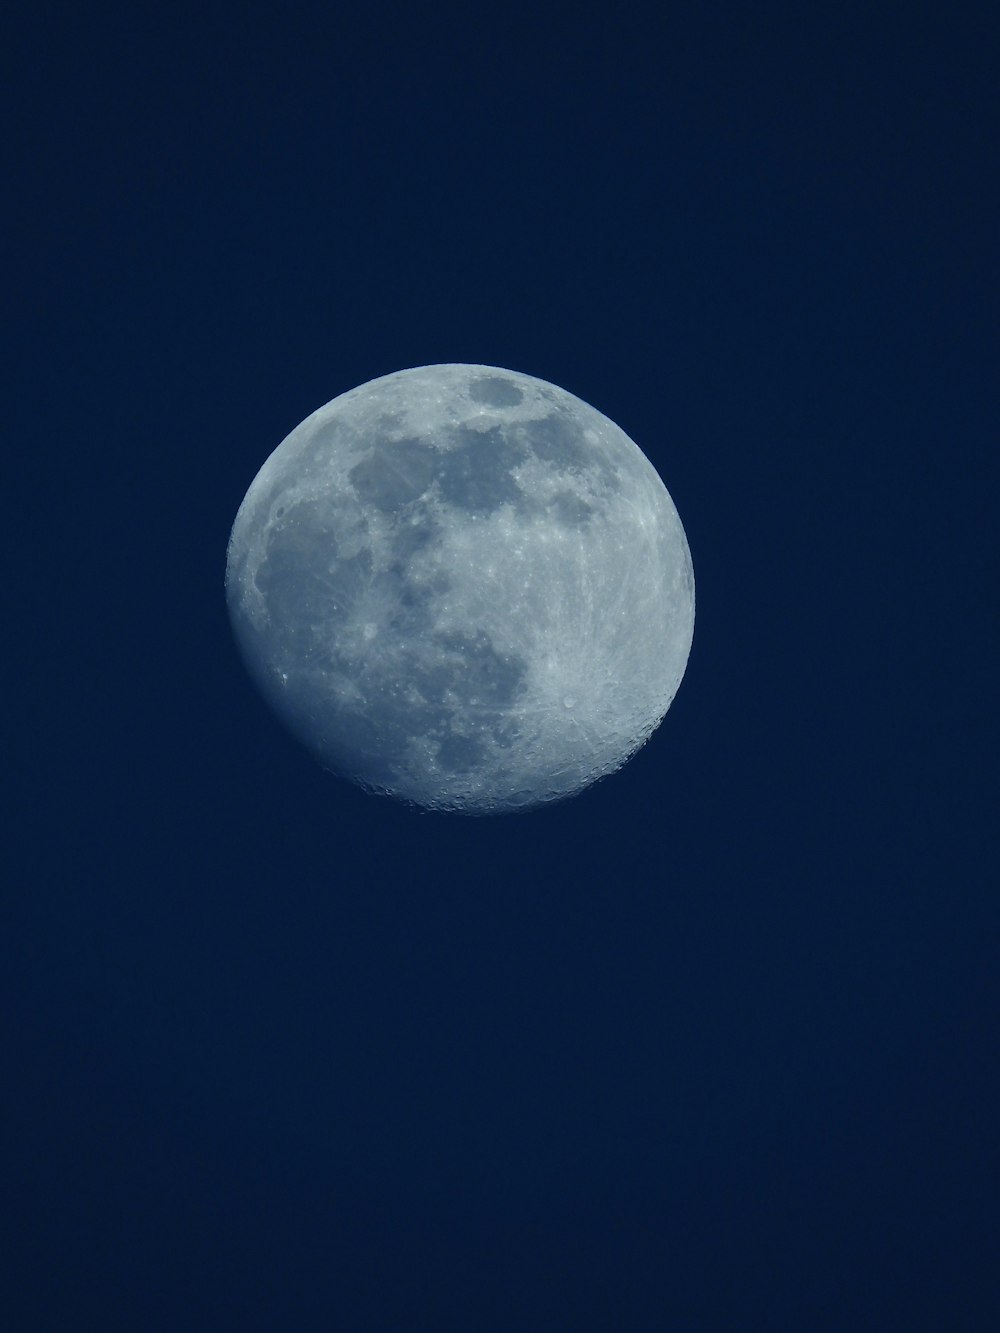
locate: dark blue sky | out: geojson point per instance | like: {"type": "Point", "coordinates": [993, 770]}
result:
{"type": "Point", "coordinates": [714, 1045]}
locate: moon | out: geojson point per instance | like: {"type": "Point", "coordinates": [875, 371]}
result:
{"type": "Point", "coordinates": [462, 587]}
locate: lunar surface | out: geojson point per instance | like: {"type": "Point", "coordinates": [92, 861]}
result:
{"type": "Point", "coordinates": [463, 587]}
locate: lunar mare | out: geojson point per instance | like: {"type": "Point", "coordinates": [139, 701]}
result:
{"type": "Point", "coordinates": [464, 587]}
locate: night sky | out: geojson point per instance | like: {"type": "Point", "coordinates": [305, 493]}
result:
{"type": "Point", "coordinates": [712, 1046]}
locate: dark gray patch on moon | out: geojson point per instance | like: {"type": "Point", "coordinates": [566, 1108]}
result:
{"type": "Point", "coordinates": [559, 442]}
{"type": "Point", "coordinates": [460, 754]}
{"type": "Point", "coordinates": [300, 595]}
{"type": "Point", "coordinates": [571, 510]}
{"type": "Point", "coordinates": [298, 589]}
{"type": "Point", "coordinates": [476, 473]}
{"type": "Point", "coordinates": [479, 675]}
{"type": "Point", "coordinates": [494, 391]}
{"type": "Point", "coordinates": [556, 442]}
{"type": "Point", "coordinates": [393, 475]}
{"type": "Point", "coordinates": [409, 613]}
{"type": "Point", "coordinates": [376, 732]}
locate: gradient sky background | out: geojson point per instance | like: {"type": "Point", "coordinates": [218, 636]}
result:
{"type": "Point", "coordinates": [712, 1046]}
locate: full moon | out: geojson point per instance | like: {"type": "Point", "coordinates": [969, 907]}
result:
{"type": "Point", "coordinates": [462, 587]}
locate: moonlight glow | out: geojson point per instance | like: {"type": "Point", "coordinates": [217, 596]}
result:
{"type": "Point", "coordinates": [463, 587]}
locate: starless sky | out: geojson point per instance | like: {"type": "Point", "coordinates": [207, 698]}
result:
{"type": "Point", "coordinates": [710, 1047]}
